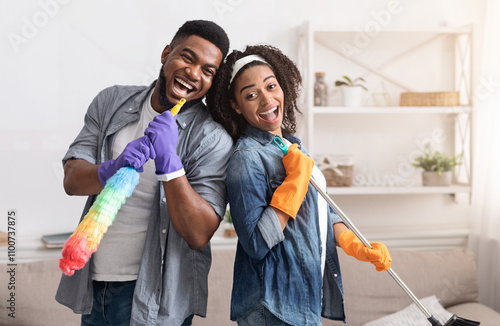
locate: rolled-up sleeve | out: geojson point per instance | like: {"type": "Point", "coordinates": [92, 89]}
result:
{"type": "Point", "coordinates": [334, 218]}
{"type": "Point", "coordinates": [270, 227]}
{"type": "Point", "coordinates": [256, 224]}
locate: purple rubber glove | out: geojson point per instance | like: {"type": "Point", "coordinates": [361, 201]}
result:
{"type": "Point", "coordinates": [163, 134]}
{"type": "Point", "coordinates": [135, 154]}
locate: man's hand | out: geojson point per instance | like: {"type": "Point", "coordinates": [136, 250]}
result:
{"type": "Point", "coordinates": [135, 154]}
{"type": "Point", "coordinates": [163, 134]}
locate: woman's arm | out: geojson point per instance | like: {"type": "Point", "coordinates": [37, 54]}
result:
{"type": "Point", "coordinates": [259, 227]}
{"type": "Point", "coordinates": [338, 228]}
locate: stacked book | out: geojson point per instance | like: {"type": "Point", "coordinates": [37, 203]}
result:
{"type": "Point", "coordinates": [55, 240]}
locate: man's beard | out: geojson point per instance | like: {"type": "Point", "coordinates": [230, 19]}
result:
{"type": "Point", "coordinates": [162, 84]}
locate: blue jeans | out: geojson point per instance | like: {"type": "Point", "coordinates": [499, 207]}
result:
{"type": "Point", "coordinates": [261, 317]}
{"type": "Point", "coordinates": [113, 305]}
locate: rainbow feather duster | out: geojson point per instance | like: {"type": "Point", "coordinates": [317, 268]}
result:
{"type": "Point", "coordinates": [87, 236]}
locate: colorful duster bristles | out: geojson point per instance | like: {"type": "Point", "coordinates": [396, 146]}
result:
{"type": "Point", "coordinates": [87, 236]}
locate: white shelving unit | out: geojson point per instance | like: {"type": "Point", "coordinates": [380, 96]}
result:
{"type": "Point", "coordinates": [374, 59]}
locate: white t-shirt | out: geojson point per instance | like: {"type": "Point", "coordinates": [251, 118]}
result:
{"type": "Point", "coordinates": [322, 210]}
{"type": "Point", "coordinates": [119, 253]}
{"type": "Point", "coordinates": [322, 213]}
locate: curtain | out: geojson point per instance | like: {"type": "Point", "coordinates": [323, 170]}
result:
{"type": "Point", "coordinates": [484, 239]}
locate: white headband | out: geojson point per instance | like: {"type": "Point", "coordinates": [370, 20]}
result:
{"type": "Point", "coordinates": [240, 63]}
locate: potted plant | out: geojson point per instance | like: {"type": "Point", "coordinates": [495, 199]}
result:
{"type": "Point", "coordinates": [351, 90]}
{"type": "Point", "coordinates": [229, 227]}
{"type": "Point", "coordinates": [438, 167]}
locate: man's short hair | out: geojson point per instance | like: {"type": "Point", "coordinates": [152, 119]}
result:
{"type": "Point", "coordinates": [208, 30]}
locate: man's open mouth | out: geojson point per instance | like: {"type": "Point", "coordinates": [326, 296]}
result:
{"type": "Point", "coordinates": [182, 88]}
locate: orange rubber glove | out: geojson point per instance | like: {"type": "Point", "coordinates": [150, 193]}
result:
{"type": "Point", "coordinates": [378, 255]}
{"type": "Point", "coordinates": [289, 196]}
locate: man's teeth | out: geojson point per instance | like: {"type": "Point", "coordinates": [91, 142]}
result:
{"type": "Point", "coordinates": [180, 81]}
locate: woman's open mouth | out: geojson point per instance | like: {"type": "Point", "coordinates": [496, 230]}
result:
{"type": "Point", "coordinates": [270, 115]}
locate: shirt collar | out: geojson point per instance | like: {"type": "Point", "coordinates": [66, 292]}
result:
{"type": "Point", "coordinates": [265, 137]}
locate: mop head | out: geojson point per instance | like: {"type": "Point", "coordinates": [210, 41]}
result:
{"type": "Point", "coordinates": [87, 236]}
{"type": "Point", "coordinates": [412, 315]}
{"type": "Point", "coordinates": [458, 321]}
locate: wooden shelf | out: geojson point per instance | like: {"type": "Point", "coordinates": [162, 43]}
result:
{"type": "Point", "coordinates": [29, 248]}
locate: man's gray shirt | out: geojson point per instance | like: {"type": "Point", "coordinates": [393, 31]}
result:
{"type": "Point", "coordinates": [172, 280]}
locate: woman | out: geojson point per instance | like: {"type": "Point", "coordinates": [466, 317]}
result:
{"type": "Point", "coordinates": [286, 267]}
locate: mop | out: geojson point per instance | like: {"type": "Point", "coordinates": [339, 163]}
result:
{"type": "Point", "coordinates": [87, 236]}
{"type": "Point", "coordinates": [453, 321]}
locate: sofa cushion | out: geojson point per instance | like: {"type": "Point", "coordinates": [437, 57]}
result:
{"type": "Point", "coordinates": [369, 295]}
{"type": "Point", "coordinates": [478, 312]}
{"type": "Point", "coordinates": [35, 288]}
{"type": "Point", "coordinates": [412, 315]}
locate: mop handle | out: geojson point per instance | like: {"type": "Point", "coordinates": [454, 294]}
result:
{"type": "Point", "coordinates": [278, 141]}
{"type": "Point", "coordinates": [353, 228]}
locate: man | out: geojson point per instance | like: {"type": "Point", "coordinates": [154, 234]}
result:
{"type": "Point", "coordinates": [151, 267]}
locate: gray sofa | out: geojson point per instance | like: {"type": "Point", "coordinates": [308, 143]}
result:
{"type": "Point", "coordinates": [369, 295]}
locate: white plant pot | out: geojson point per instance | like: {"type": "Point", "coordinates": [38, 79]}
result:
{"type": "Point", "coordinates": [351, 96]}
{"type": "Point", "coordinates": [433, 179]}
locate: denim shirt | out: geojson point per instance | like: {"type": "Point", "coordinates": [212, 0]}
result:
{"type": "Point", "coordinates": [279, 269]}
{"type": "Point", "coordinates": [172, 280]}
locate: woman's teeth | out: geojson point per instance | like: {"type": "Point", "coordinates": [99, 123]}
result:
{"type": "Point", "coordinates": [270, 114]}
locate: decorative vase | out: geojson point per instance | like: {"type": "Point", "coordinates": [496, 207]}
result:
{"type": "Point", "coordinates": [434, 179]}
{"type": "Point", "coordinates": [320, 90]}
{"type": "Point", "coordinates": [351, 96]}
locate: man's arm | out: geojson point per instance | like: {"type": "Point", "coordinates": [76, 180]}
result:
{"type": "Point", "coordinates": [192, 216]}
{"type": "Point", "coordinates": [80, 178]}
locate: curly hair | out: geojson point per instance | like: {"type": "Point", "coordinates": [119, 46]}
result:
{"type": "Point", "coordinates": [221, 92]}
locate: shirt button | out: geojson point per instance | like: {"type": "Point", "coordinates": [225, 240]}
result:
{"type": "Point", "coordinates": [130, 109]}
{"type": "Point", "coordinates": [164, 231]}
{"type": "Point", "coordinates": [164, 199]}
{"type": "Point", "coordinates": [335, 275]}
{"type": "Point", "coordinates": [184, 125]}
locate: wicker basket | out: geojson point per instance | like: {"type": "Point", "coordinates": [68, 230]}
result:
{"type": "Point", "coordinates": [331, 166]}
{"type": "Point", "coordinates": [333, 179]}
{"type": "Point", "coordinates": [430, 99]}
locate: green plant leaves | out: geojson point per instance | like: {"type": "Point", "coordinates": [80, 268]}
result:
{"type": "Point", "coordinates": [435, 161]}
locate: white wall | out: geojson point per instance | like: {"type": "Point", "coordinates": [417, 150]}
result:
{"type": "Point", "coordinates": [56, 56]}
